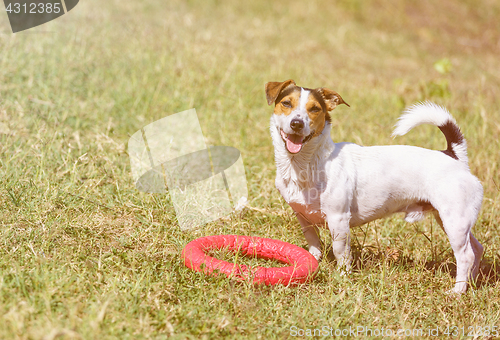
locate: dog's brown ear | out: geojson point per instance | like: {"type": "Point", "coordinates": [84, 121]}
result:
{"type": "Point", "coordinates": [332, 98]}
{"type": "Point", "coordinates": [274, 88]}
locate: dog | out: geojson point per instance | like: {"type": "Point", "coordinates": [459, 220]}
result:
{"type": "Point", "coordinates": [344, 185]}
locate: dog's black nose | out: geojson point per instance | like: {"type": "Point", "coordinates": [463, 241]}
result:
{"type": "Point", "coordinates": [297, 124]}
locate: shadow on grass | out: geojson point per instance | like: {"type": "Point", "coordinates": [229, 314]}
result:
{"type": "Point", "coordinates": [369, 257]}
{"type": "Point", "coordinates": [489, 273]}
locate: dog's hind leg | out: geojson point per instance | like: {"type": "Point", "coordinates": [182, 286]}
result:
{"type": "Point", "coordinates": [311, 233]}
{"type": "Point", "coordinates": [466, 249]}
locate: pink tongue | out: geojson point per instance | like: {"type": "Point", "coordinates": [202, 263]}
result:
{"type": "Point", "coordinates": [294, 143]}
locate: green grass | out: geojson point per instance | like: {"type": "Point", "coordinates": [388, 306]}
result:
{"type": "Point", "coordinates": [83, 254]}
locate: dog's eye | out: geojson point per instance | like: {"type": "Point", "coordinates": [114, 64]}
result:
{"type": "Point", "coordinates": [287, 104]}
{"type": "Point", "coordinates": [315, 109]}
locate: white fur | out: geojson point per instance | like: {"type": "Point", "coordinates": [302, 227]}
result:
{"type": "Point", "coordinates": [421, 113]}
{"type": "Point", "coordinates": [428, 113]}
{"type": "Point", "coordinates": [344, 185]}
{"type": "Point", "coordinates": [304, 96]}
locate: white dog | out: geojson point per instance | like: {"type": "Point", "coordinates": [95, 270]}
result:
{"type": "Point", "coordinates": [346, 185]}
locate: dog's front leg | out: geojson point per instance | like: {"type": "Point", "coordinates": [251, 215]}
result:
{"type": "Point", "coordinates": [341, 241]}
{"type": "Point", "coordinates": [311, 233]}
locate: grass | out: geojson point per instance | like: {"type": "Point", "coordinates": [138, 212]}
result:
{"type": "Point", "coordinates": [83, 254]}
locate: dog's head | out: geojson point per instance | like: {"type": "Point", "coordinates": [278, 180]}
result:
{"type": "Point", "coordinates": [300, 113]}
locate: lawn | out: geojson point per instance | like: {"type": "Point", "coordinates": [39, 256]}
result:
{"type": "Point", "coordinates": [85, 255]}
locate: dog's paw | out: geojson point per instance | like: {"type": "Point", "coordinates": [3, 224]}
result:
{"type": "Point", "coordinates": [458, 290]}
{"type": "Point", "coordinates": [344, 271]}
{"type": "Point", "coordinates": [344, 267]}
{"type": "Point", "coordinates": [452, 293]}
{"type": "Point", "coordinates": [315, 252]}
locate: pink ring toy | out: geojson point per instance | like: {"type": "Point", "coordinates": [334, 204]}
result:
{"type": "Point", "coordinates": [303, 265]}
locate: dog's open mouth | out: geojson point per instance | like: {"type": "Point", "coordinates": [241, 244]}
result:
{"type": "Point", "coordinates": [294, 142]}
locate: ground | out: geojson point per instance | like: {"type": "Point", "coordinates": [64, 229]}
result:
{"type": "Point", "coordinates": [83, 254]}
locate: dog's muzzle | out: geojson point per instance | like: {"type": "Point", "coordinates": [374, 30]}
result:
{"type": "Point", "coordinates": [294, 142]}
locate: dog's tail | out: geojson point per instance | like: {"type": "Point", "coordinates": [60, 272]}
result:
{"type": "Point", "coordinates": [430, 113]}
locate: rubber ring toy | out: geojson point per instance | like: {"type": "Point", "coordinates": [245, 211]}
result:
{"type": "Point", "coordinates": [303, 266]}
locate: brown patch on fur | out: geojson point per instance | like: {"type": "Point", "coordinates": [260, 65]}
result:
{"type": "Point", "coordinates": [287, 101]}
{"type": "Point", "coordinates": [331, 98]}
{"type": "Point", "coordinates": [453, 135]}
{"type": "Point", "coordinates": [327, 100]}
{"type": "Point", "coordinates": [317, 112]}
{"type": "Point", "coordinates": [274, 88]}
